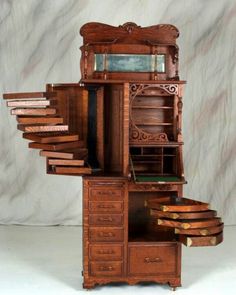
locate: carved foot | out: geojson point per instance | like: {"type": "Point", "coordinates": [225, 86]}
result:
{"type": "Point", "coordinates": [174, 284]}
{"type": "Point", "coordinates": [88, 286]}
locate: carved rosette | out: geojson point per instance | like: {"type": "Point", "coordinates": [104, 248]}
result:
{"type": "Point", "coordinates": [138, 135]}
{"type": "Point", "coordinates": [129, 27]}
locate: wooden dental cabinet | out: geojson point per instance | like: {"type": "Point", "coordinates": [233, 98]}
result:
{"type": "Point", "coordinates": [120, 128]}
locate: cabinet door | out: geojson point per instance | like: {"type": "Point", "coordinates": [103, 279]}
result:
{"type": "Point", "coordinates": [56, 123]}
{"type": "Point", "coordinates": [192, 221]}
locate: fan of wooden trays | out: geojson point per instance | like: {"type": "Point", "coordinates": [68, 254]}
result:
{"type": "Point", "coordinates": [193, 221]}
{"type": "Point", "coordinates": [38, 117]}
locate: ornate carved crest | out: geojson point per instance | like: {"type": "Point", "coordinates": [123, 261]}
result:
{"type": "Point", "coordinates": [129, 27]}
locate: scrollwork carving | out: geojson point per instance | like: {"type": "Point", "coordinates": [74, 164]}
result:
{"type": "Point", "coordinates": [170, 88]}
{"type": "Point", "coordinates": [138, 135]}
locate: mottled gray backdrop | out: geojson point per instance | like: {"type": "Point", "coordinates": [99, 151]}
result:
{"type": "Point", "coordinates": [39, 44]}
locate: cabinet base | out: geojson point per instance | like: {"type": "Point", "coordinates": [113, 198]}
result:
{"type": "Point", "coordinates": [92, 283]}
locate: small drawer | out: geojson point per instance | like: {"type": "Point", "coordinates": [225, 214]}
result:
{"type": "Point", "coordinates": [106, 219]}
{"type": "Point", "coordinates": [108, 206]}
{"type": "Point", "coordinates": [105, 194]}
{"type": "Point", "coordinates": [104, 269]}
{"type": "Point", "coordinates": [153, 260]}
{"type": "Point", "coordinates": [106, 234]}
{"type": "Point", "coordinates": [105, 252]}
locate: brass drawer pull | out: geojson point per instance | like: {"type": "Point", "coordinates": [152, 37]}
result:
{"type": "Point", "coordinates": [110, 193]}
{"type": "Point", "coordinates": [151, 260]}
{"type": "Point", "coordinates": [106, 235]}
{"type": "Point", "coordinates": [106, 206]}
{"type": "Point", "coordinates": [106, 268]}
{"type": "Point", "coordinates": [110, 219]}
{"type": "Point", "coordinates": [106, 252]}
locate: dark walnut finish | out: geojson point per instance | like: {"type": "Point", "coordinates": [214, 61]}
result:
{"type": "Point", "coordinates": [121, 128]}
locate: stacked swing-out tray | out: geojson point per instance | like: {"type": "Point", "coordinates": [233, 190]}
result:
{"type": "Point", "coordinates": [192, 220]}
{"type": "Point", "coordinates": [37, 116]}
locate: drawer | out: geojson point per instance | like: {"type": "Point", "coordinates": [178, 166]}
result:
{"type": "Point", "coordinates": [105, 194]}
{"type": "Point", "coordinates": [104, 269]}
{"type": "Point", "coordinates": [106, 234]}
{"type": "Point", "coordinates": [153, 260]}
{"type": "Point", "coordinates": [106, 219]}
{"type": "Point", "coordinates": [108, 206]}
{"type": "Point", "coordinates": [133, 187]}
{"type": "Point", "coordinates": [105, 252]}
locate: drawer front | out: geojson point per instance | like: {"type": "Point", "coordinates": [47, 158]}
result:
{"type": "Point", "coordinates": [152, 187]}
{"type": "Point", "coordinates": [106, 234]}
{"type": "Point", "coordinates": [105, 252]}
{"type": "Point", "coordinates": [104, 269]}
{"type": "Point", "coordinates": [104, 207]}
{"type": "Point", "coordinates": [106, 219]}
{"type": "Point", "coordinates": [153, 260]}
{"type": "Point", "coordinates": [105, 194]}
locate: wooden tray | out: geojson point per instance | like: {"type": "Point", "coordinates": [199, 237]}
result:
{"type": "Point", "coordinates": [72, 170]}
{"type": "Point", "coordinates": [175, 204]}
{"type": "Point", "coordinates": [201, 231]}
{"type": "Point", "coordinates": [42, 128]}
{"type": "Point", "coordinates": [50, 137]}
{"type": "Point", "coordinates": [196, 241]}
{"type": "Point", "coordinates": [79, 153]}
{"type": "Point", "coordinates": [65, 162]}
{"type": "Point", "coordinates": [23, 95]}
{"type": "Point", "coordinates": [56, 146]}
{"type": "Point", "coordinates": [191, 223]}
{"type": "Point", "coordinates": [33, 111]}
{"type": "Point", "coordinates": [39, 120]}
{"type": "Point", "coordinates": [183, 215]}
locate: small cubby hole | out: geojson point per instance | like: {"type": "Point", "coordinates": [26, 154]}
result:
{"type": "Point", "coordinates": [154, 160]}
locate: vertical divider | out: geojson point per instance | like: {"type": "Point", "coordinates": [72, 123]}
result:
{"type": "Point", "coordinates": [162, 160]}
{"type": "Point", "coordinates": [126, 130]}
{"type": "Point", "coordinates": [92, 127]}
{"type": "Point", "coordinates": [100, 127]}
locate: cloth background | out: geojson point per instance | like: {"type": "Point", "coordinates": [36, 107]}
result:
{"type": "Point", "coordinates": [39, 44]}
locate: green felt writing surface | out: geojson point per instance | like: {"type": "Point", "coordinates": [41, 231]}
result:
{"type": "Point", "coordinates": [144, 178]}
